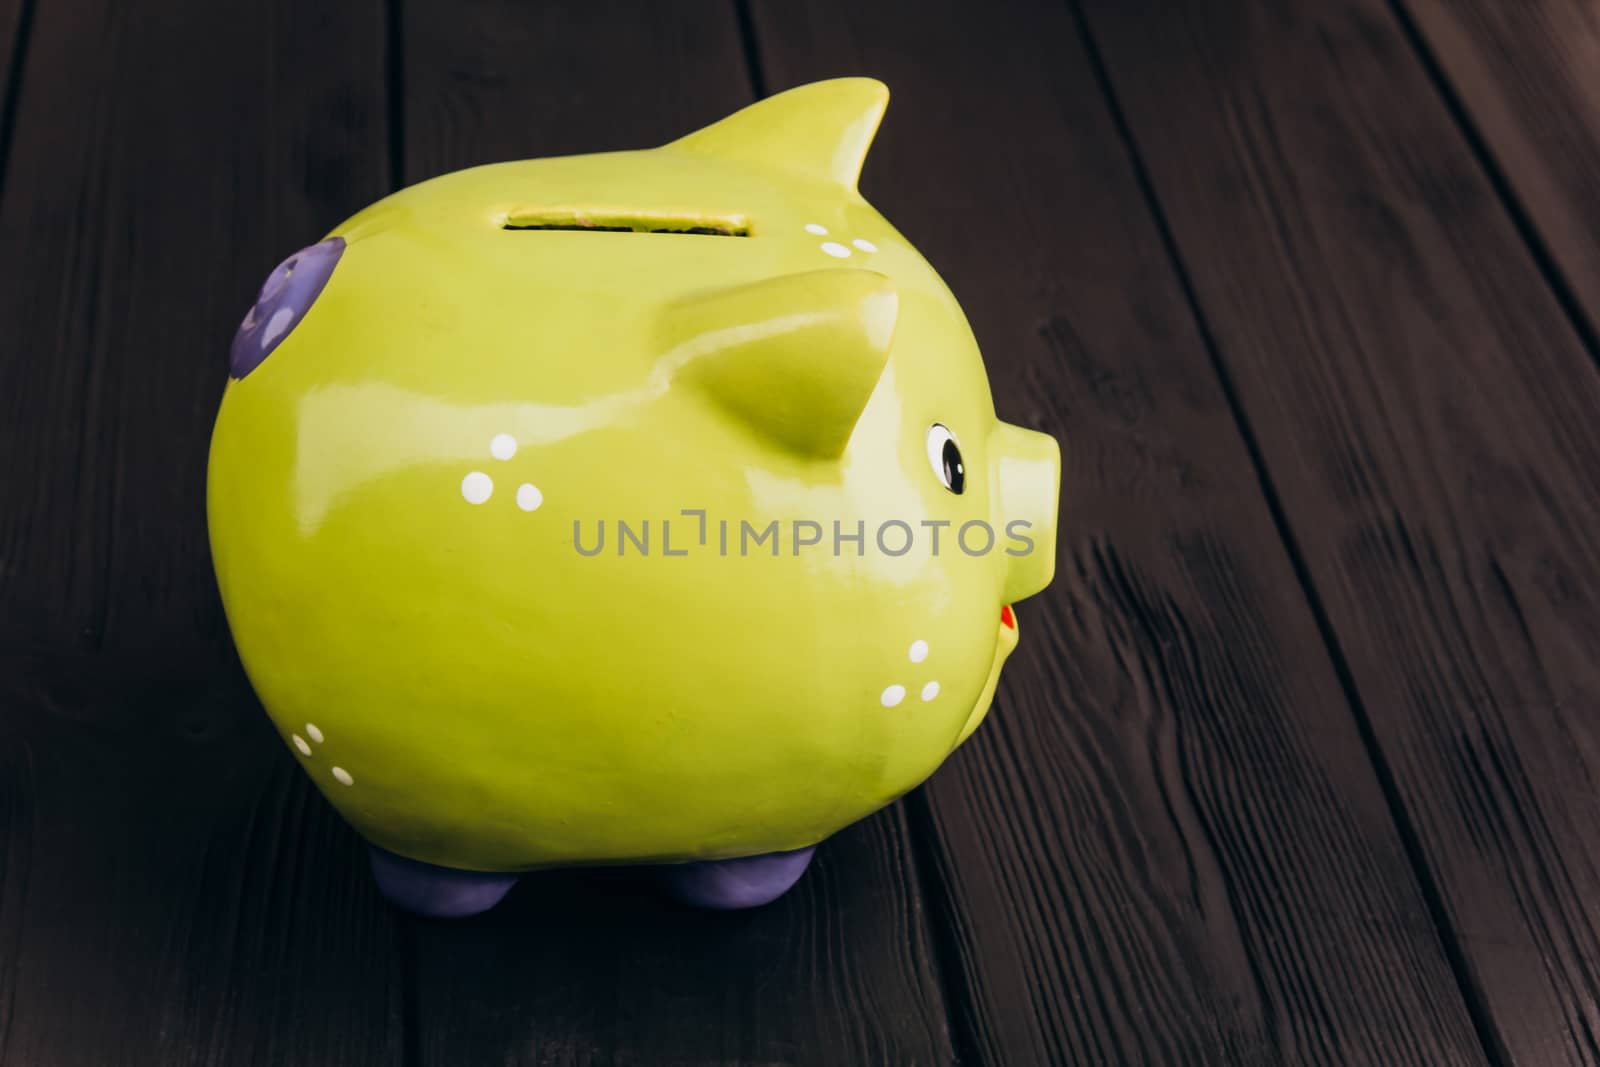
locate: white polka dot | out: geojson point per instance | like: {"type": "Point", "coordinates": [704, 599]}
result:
{"type": "Point", "coordinates": [835, 249]}
{"type": "Point", "coordinates": [300, 743]}
{"type": "Point", "coordinates": [930, 690]}
{"type": "Point", "coordinates": [476, 487]}
{"type": "Point", "coordinates": [276, 325]}
{"type": "Point", "coordinates": [504, 446]}
{"type": "Point", "coordinates": [919, 651]}
{"type": "Point", "coordinates": [313, 733]}
{"type": "Point", "coordinates": [893, 695]}
{"type": "Point", "coordinates": [343, 776]}
{"type": "Point", "coordinates": [817, 228]}
{"type": "Point", "coordinates": [864, 244]}
{"type": "Point", "coordinates": [528, 497]}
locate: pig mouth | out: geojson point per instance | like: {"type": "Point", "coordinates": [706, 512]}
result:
{"type": "Point", "coordinates": [1004, 646]}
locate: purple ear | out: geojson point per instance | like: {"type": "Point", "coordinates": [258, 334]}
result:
{"type": "Point", "coordinates": [288, 294]}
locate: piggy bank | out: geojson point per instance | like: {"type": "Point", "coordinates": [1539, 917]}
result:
{"type": "Point", "coordinates": [640, 508]}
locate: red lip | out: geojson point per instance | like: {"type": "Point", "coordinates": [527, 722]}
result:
{"type": "Point", "coordinates": [1007, 618]}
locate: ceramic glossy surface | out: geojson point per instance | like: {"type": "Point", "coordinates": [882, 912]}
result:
{"type": "Point", "coordinates": [408, 487]}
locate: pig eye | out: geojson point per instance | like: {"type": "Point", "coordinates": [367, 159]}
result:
{"type": "Point", "coordinates": [945, 457]}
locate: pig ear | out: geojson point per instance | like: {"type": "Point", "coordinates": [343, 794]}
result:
{"type": "Point", "coordinates": [820, 131]}
{"type": "Point", "coordinates": [794, 357]}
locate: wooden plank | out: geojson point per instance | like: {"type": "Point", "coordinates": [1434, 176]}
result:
{"type": "Point", "coordinates": [1167, 843]}
{"type": "Point", "coordinates": [161, 165]}
{"type": "Point", "coordinates": [13, 46]}
{"type": "Point", "coordinates": [581, 967]}
{"type": "Point", "coordinates": [496, 79]}
{"type": "Point", "coordinates": [171, 889]}
{"type": "Point", "coordinates": [1528, 78]}
{"type": "Point", "coordinates": [1426, 417]}
{"type": "Point", "coordinates": [596, 967]}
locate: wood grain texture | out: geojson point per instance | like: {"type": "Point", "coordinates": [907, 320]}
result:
{"type": "Point", "coordinates": [1427, 417]}
{"type": "Point", "coordinates": [162, 163]}
{"type": "Point", "coordinates": [172, 891]}
{"type": "Point", "coordinates": [1170, 843]}
{"type": "Point", "coordinates": [1166, 844]}
{"type": "Point", "coordinates": [593, 967]}
{"type": "Point", "coordinates": [494, 80]}
{"type": "Point", "coordinates": [581, 967]}
{"type": "Point", "coordinates": [1528, 77]}
{"type": "Point", "coordinates": [14, 17]}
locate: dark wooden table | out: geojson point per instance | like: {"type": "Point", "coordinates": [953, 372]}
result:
{"type": "Point", "coordinates": [1297, 761]}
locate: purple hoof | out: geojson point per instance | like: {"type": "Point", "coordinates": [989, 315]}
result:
{"type": "Point", "coordinates": [437, 892]}
{"type": "Point", "coordinates": [747, 882]}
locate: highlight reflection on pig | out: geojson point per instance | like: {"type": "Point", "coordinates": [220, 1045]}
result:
{"type": "Point", "coordinates": [434, 413]}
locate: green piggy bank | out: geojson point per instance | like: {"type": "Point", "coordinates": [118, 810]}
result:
{"type": "Point", "coordinates": [635, 508]}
